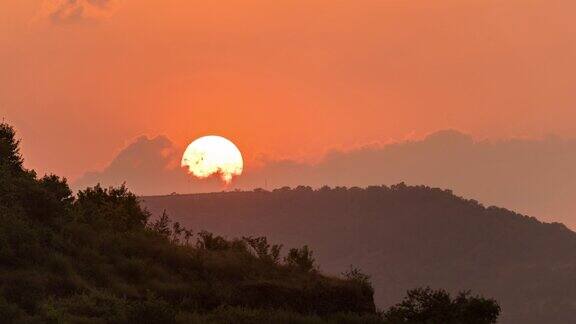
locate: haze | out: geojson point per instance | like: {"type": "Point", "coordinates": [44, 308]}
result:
{"type": "Point", "coordinates": [288, 80]}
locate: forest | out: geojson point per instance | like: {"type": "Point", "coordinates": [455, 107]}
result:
{"type": "Point", "coordinates": [99, 257]}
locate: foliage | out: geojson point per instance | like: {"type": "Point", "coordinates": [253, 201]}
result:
{"type": "Point", "coordinates": [110, 208]}
{"type": "Point", "coordinates": [241, 315]}
{"type": "Point", "coordinates": [300, 258]}
{"type": "Point", "coordinates": [356, 275]}
{"type": "Point", "coordinates": [425, 305]}
{"type": "Point", "coordinates": [406, 236]}
{"type": "Point", "coordinates": [176, 233]}
{"type": "Point", "coordinates": [11, 159]}
{"type": "Point", "coordinates": [263, 249]}
{"type": "Point", "coordinates": [162, 225]}
{"type": "Point", "coordinates": [211, 242]}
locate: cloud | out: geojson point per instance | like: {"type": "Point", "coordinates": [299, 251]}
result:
{"type": "Point", "coordinates": [73, 11]}
{"type": "Point", "coordinates": [147, 166]}
{"type": "Point", "coordinates": [535, 177]}
{"type": "Point", "coordinates": [145, 162]}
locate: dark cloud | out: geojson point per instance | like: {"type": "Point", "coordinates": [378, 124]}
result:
{"type": "Point", "coordinates": [144, 163]}
{"type": "Point", "coordinates": [72, 11]}
{"type": "Point", "coordinates": [535, 177]}
{"type": "Point", "coordinates": [148, 166]}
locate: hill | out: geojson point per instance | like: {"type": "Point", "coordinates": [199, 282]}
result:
{"type": "Point", "coordinates": [405, 237]}
{"type": "Point", "coordinates": [97, 258]}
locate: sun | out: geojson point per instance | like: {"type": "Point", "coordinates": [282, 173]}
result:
{"type": "Point", "coordinates": [209, 155]}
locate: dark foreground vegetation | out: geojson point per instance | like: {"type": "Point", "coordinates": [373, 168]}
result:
{"type": "Point", "coordinates": [98, 258]}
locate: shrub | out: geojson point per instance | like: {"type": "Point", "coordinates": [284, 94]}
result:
{"type": "Point", "coordinates": [262, 249]}
{"type": "Point", "coordinates": [437, 306]}
{"type": "Point", "coordinates": [300, 259]}
{"type": "Point", "coordinates": [211, 242]}
{"type": "Point", "coordinates": [114, 209]}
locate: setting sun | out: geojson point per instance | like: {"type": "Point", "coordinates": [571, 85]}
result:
{"type": "Point", "coordinates": [211, 155]}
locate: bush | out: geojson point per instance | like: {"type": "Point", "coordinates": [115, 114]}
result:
{"type": "Point", "coordinates": [263, 250]}
{"type": "Point", "coordinates": [300, 259]}
{"type": "Point", "coordinates": [437, 306]}
{"type": "Point", "coordinates": [114, 209]}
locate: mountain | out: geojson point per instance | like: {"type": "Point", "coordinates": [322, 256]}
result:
{"type": "Point", "coordinates": [405, 237]}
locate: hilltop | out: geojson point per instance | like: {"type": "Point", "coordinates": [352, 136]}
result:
{"type": "Point", "coordinates": [405, 237]}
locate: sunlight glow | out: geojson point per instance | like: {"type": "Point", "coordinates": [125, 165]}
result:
{"type": "Point", "coordinates": [210, 155]}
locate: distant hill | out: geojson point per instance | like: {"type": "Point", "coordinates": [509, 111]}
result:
{"type": "Point", "coordinates": [531, 176]}
{"type": "Point", "coordinates": [405, 237]}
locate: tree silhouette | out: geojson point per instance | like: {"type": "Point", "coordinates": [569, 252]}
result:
{"type": "Point", "coordinates": [10, 157]}
{"type": "Point", "coordinates": [263, 249]}
{"type": "Point", "coordinates": [301, 259]}
{"type": "Point", "coordinates": [424, 305]}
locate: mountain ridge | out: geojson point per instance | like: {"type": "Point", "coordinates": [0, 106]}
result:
{"type": "Point", "coordinates": [405, 237]}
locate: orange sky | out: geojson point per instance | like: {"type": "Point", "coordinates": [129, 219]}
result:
{"type": "Point", "coordinates": [280, 78]}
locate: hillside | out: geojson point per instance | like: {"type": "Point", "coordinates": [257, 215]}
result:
{"type": "Point", "coordinates": [405, 237]}
{"type": "Point", "coordinates": [97, 258]}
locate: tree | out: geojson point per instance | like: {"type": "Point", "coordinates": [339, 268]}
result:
{"type": "Point", "coordinates": [58, 188]}
{"type": "Point", "coordinates": [114, 208]}
{"type": "Point", "coordinates": [263, 249]}
{"type": "Point", "coordinates": [10, 156]}
{"type": "Point", "coordinates": [162, 225]}
{"type": "Point", "coordinates": [301, 259]}
{"type": "Point", "coordinates": [177, 230]}
{"type": "Point", "coordinates": [356, 275]}
{"type": "Point", "coordinates": [424, 305]}
{"type": "Point", "coordinates": [211, 242]}
{"type": "Point", "coordinates": [188, 235]}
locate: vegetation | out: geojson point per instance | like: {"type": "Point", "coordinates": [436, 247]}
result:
{"type": "Point", "coordinates": [406, 237]}
{"type": "Point", "coordinates": [428, 306]}
{"type": "Point", "coordinates": [99, 258]}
